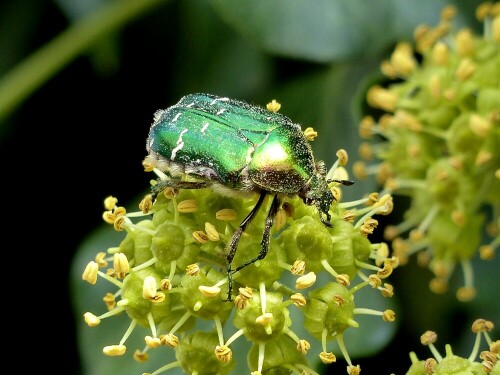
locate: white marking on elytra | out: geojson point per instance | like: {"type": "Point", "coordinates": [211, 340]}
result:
{"type": "Point", "coordinates": [180, 145]}
{"type": "Point", "coordinates": [205, 126]}
{"type": "Point", "coordinates": [221, 111]}
{"type": "Point", "coordinates": [190, 105]}
{"type": "Point", "coordinates": [219, 100]}
{"type": "Point", "coordinates": [151, 141]}
{"type": "Point", "coordinates": [176, 117]}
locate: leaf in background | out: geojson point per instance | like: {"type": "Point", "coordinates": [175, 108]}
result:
{"type": "Point", "coordinates": [328, 30]}
{"type": "Point", "coordinates": [105, 53]}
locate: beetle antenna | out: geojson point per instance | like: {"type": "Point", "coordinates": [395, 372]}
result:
{"type": "Point", "coordinates": [343, 182]}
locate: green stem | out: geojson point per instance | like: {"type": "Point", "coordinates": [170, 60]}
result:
{"type": "Point", "coordinates": [40, 66]}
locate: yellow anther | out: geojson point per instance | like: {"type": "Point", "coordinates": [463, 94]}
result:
{"type": "Point", "coordinates": [209, 291]}
{"type": "Point", "coordinates": [91, 320]}
{"type": "Point", "coordinates": [303, 346]}
{"type": "Point", "coordinates": [141, 356]}
{"type": "Point", "coordinates": [170, 192]}
{"type": "Point", "coordinates": [240, 302]}
{"type": "Point", "coordinates": [223, 353]}
{"type": "Point", "coordinates": [200, 236]}
{"type": "Point", "coordinates": [486, 252]}
{"type": "Point", "coordinates": [359, 170]}
{"type": "Point", "coordinates": [479, 125]}
{"type": "Point", "coordinates": [149, 164]}
{"type": "Point", "coordinates": [90, 273]}
{"type": "Point", "coordinates": [495, 28]}
{"type": "Point", "coordinates": [100, 259]}
{"type": "Point", "coordinates": [298, 267]}
{"type": "Point", "coordinates": [367, 127]}
{"type": "Point", "coordinates": [428, 338]}
{"type": "Point", "coordinates": [327, 358]}
{"type": "Point", "coordinates": [343, 279]}
{"type": "Point", "coordinates": [298, 299]}
{"type": "Point", "coordinates": [464, 42]}
{"type": "Point", "coordinates": [378, 97]}
{"type": "Point", "coordinates": [165, 284]}
{"type": "Point", "coordinates": [109, 217]}
{"type": "Point", "coordinates": [170, 340]}
{"type": "Point", "coordinates": [386, 271]}
{"type": "Point", "coordinates": [193, 269]}
{"type": "Point", "coordinates": [438, 285]}
{"type": "Point", "coordinates": [305, 281]}
{"type": "Point", "coordinates": [121, 265]}
{"type": "Point", "coordinates": [342, 156]}
{"type": "Point", "coordinates": [149, 287]}
{"type": "Point", "coordinates": [482, 325]}
{"type": "Point", "coordinates": [448, 12]}
{"type": "Point", "coordinates": [353, 370]}
{"type": "Point", "coordinates": [310, 134]}
{"type": "Point", "coordinates": [365, 150]}
{"type": "Point", "coordinates": [440, 54]}
{"type": "Point", "coordinates": [187, 206]}
{"type": "Point", "coordinates": [374, 281]}
{"type": "Point", "coordinates": [429, 365]}
{"type": "Point", "coordinates": [338, 299]}
{"type": "Point", "coordinates": [348, 216]}
{"type": "Point", "coordinates": [465, 69]}
{"type": "Point", "coordinates": [114, 350]}
{"type": "Point", "coordinates": [110, 203]}
{"type": "Point", "coordinates": [264, 319]}
{"type": "Point", "coordinates": [152, 342]}
{"type": "Point", "coordinates": [246, 293]}
{"type": "Point", "coordinates": [387, 290]}
{"type": "Point", "coordinates": [110, 300]}
{"type": "Point", "coordinates": [388, 69]}
{"type": "Point", "coordinates": [226, 214]}
{"type": "Point", "coordinates": [146, 204]}
{"type": "Point", "coordinates": [120, 211]}
{"type": "Point", "coordinates": [119, 223]}
{"type": "Point", "coordinates": [483, 10]}
{"type": "Point", "coordinates": [495, 347]}
{"type": "Point", "coordinates": [211, 231]}
{"type": "Point", "coordinates": [273, 106]}
{"type": "Point", "coordinates": [389, 316]}
{"type": "Point", "coordinates": [402, 59]}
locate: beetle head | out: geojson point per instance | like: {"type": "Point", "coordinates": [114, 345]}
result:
{"type": "Point", "coordinates": [318, 192]}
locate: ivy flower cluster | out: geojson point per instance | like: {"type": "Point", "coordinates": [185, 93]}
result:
{"type": "Point", "coordinates": [169, 272]}
{"type": "Point", "coordinates": [454, 364]}
{"type": "Point", "coordinates": [438, 137]}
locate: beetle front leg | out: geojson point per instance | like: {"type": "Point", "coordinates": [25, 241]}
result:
{"type": "Point", "coordinates": [233, 245]}
{"type": "Point", "coordinates": [273, 210]}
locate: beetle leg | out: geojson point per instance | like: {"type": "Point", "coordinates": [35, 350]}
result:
{"type": "Point", "coordinates": [233, 245]}
{"type": "Point", "coordinates": [273, 210]}
{"type": "Point", "coordinates": [177, 184]}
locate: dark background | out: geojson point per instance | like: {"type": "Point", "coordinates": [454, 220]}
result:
{"type": "Point", "coordinates": [81, 135]}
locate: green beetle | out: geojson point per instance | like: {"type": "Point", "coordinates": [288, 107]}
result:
{"type": "Point", "coordinates": [238, 149]}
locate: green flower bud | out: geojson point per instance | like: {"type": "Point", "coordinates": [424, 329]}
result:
{"type": "Point", "coordinates": [278, 353]}
{"type": "Point", "coordinates": [330, 308]}
{"type": "Point", "coordinates": [259, 326]}
{"type": "Point", "coordinates": [196, 355]}
{"type": "Point", "coordinates": [205, 306]}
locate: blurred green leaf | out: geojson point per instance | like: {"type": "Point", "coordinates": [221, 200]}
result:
{"type": "Point", "coordinates": [327, 30]}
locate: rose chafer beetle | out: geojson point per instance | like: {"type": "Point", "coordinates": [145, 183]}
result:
{"type": "Point", "coordinates": [238, 149]}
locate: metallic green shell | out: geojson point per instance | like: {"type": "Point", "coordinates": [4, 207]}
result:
{"type": "Point", "coordinates": [241, 146]}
